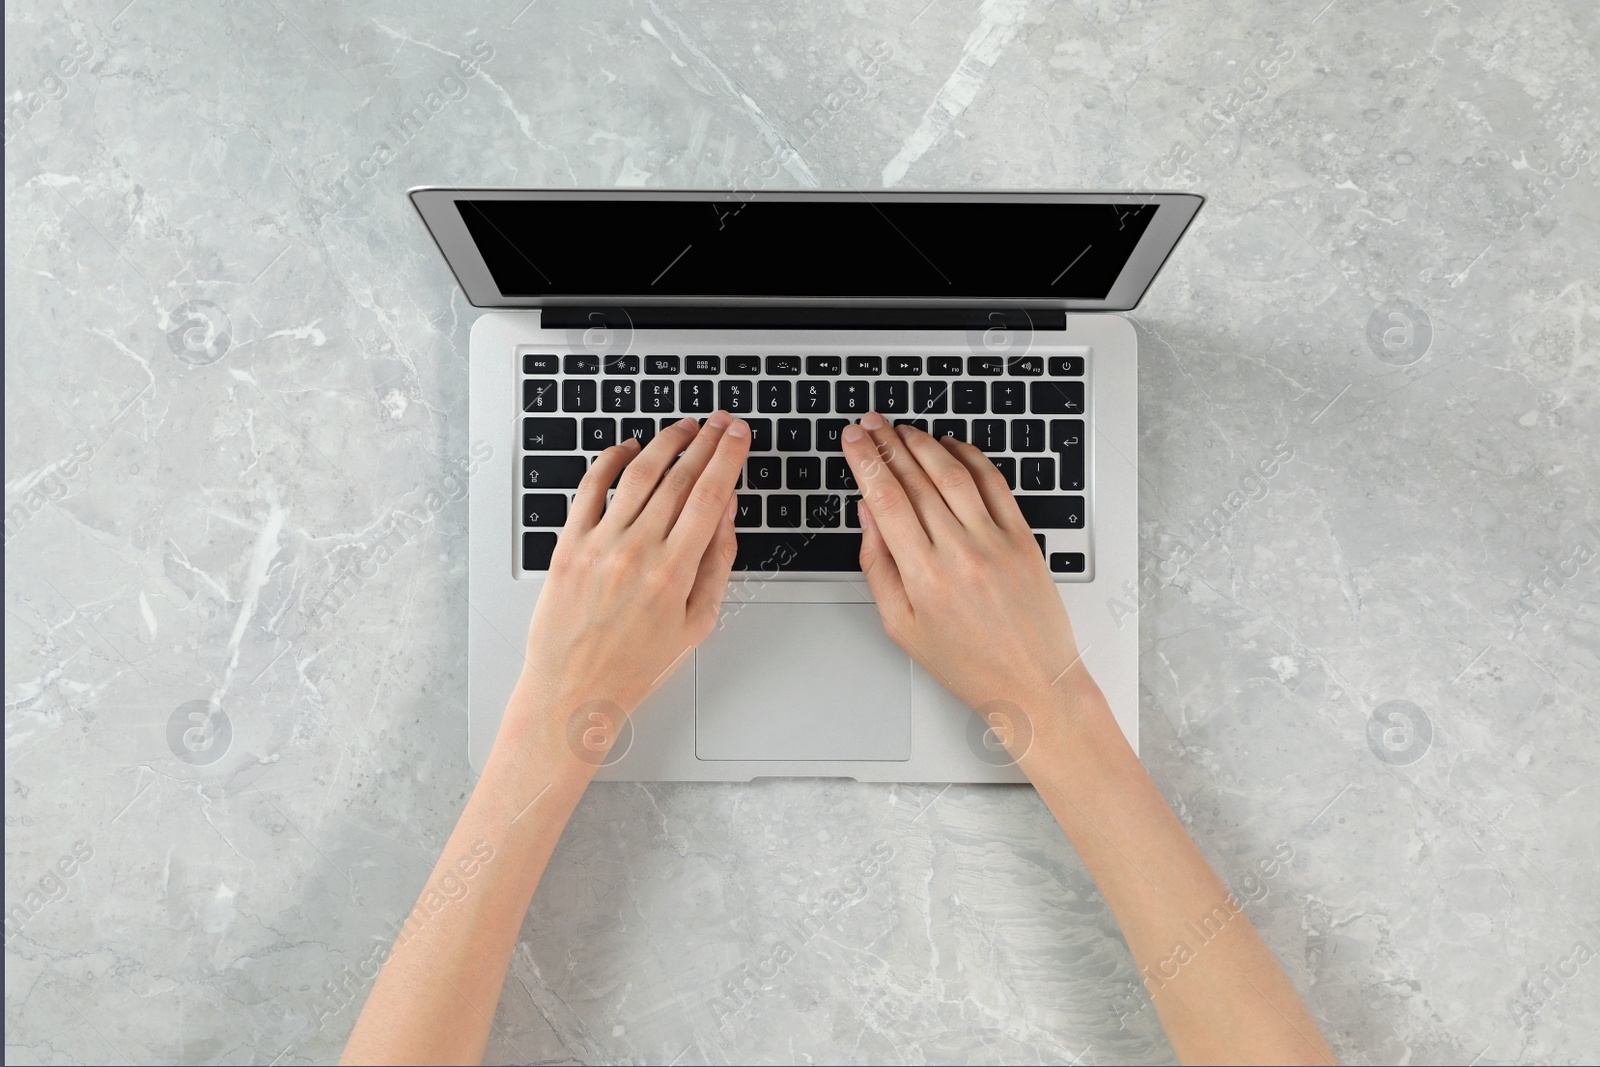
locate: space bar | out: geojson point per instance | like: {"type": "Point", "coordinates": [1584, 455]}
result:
{"type": "Point", "coordinates": [772, 553]}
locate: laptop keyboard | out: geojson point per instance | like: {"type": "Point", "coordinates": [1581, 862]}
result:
{"type": "Point", "coordinates": [798, 504]}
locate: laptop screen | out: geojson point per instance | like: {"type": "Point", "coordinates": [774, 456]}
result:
{"type": "Point", "coordinates": [837, 248]}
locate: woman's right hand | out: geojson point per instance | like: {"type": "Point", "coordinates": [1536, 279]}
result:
{"type": "Point", "coordinates": [959, 579]}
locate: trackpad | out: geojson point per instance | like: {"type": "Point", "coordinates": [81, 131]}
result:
{"type": "Point", "coordinates": [802, 682]}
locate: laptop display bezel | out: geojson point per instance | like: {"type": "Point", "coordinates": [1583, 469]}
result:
{"type": "Point", "coordinates": [437, 207]}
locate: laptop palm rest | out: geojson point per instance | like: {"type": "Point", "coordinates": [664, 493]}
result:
{"type": "Point", "coordinates": [801, 682]}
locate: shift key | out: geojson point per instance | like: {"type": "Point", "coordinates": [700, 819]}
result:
{"type": "Point", "coordinates": [1052, 512]}
{"type": "Point", "coordinates": [550, 435]}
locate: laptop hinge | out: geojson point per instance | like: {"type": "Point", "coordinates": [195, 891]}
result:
{"type": "Point", "coordinates": [567, 317]}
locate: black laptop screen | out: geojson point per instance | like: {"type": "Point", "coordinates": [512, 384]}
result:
{"type": "Point", "coordinates": [832, 249]}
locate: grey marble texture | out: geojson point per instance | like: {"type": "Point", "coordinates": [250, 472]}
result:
{"type": "Point", "coordinates": [179, 494]}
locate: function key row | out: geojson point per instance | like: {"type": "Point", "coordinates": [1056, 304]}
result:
{"type": "Point", "coordinates": [817, 366]}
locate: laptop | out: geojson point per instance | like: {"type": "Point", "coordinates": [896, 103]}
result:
{"type": "Point", "coordinates": [987, 316]}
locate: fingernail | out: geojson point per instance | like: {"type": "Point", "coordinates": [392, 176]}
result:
{"type": "Point", "coordinates": [719, 419]}
{"type": "Point", "coordinates": [733, 504]}
{"type": "Point", "coordinates": [687, 423]}
{"type": "Point", "coordinates": [739, 428]}
{"type": "Point", "coordinates": [853, 433]}
{"type": "Point", "coordinates": [872, 421]}
{"type": "Point", "coordinates": [904, 431]}
{"type": "Point", "coordinates": [631, 442]}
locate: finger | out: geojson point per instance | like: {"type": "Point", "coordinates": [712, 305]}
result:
{"type": "Point", "coordinates": [931, 510]}
{"type": "Point", "coordinates": [991, 484]}
{"type": "Point", "coordinates": [661, 511]}
{"type": "Point", "coordinates": [639, 481]}
{"type": "Point", "coordinates": [902, 532]}
{"type": "Point", "coordinates": [949, 476]}
{"type": "Point", "coordinates": [883, 574]}
{"type": "Point", "coordinates": [711, 579]}
{"type": "Point", "coordinates": [589, 502]}
{"type": "Point", "coordinates": [713, 490]}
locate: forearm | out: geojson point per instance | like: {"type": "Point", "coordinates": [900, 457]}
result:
{"type": "Point", "coordinates": [436, 995]}
{"type": "Point", "coordinates": [1219, 993]}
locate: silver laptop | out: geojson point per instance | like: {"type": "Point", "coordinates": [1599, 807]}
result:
{"type": "Point", "coordinates": [990, 316]}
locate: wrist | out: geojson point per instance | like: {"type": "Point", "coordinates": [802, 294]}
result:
{"type": "Point", "coordinates": [1072, 729]}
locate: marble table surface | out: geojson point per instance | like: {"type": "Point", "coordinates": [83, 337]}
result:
{"type": "Point", "coordinates": [1369, 681]}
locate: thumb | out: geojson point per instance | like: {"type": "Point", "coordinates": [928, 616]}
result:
{"type": "Point", "coordinates": [883, 575]}
{"type": "Point", "coordinates": [711, 578]}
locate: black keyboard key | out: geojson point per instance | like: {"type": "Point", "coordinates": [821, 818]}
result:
{"type": "Point", "coordinates": [794, 435]}
{"type": "Point", "coordinates": [599, 434]}
{"type": "Point", "coordinates": [1039, 474]}
{"type": "Point", "coordinates": [763, 472]}
{"type": "Point", "coordinates": [891, 397]}
{"type": "Point", "coordinates": [784, 366]}
{"type": "Point", "coordinates": [544, 509]}
{"type": "Point", "coordinates": [985, 366]}
{"type": "Point", "coordinates": [617, 395]}
{"type": "Point", "coordinates": [623, 364]}
{"type": "Point", "coordinates": [905, 366]}
{"type": "Point", "coordinates": [1066, 366]}
{"type": "Point", "coordinates": [746, 365]}
{"type": "Point", "coordinates": [805, 472]}
{"type": "Point", "coordinates": [540, 363]}
{"type": "Point", "coordinates": [736, 395]}
{"type": "Point", "coordinates": [989, 434]}
{"type": "Point", "coordinates": [944, 366]}
{"type": "Point", "coordinates": [1066, 441]}
{"type": "Point", "coordinates": [656, 397]}
{"type": "Point", "coordinates": [864, 366]}
{"type": "Point", "coordinates": [822, 511]}
{"type": "Point", "coordinates": [770, 553]}
{"type": "Point", "coordinates": [537, 548]}
{"type": "Point", "coordinates": [839, 474]}
{"type": "Point", "coordinates": [813, 398]}
{"type": "Point", "coordinates": [1052, 512]}
{"type": "Point", "coordinates": [582, 363]}
{"type": "Point", "coordinates": [1056, 398]}
{"type": "Point", "coordinates": [830, 434]}
{"type": "Point", "coordinates": [1068, 562]}
{"type": "Point", "coordinates": [578, 394]}
{"type": "Point", "coordinates": [1027, 435]}
{"type": "Point", "coordinates": [1007, 467]}
{"type": "Point", "coordinates": [748, 511]}
{"type": "Point", "coordinates": [774, 397]}
{"type": "Point", "coordinates": [703, 365]}
{"type": "Point", "coordinates": [641, 430]}
{"type": "Point", "coordinates": [930, 398]}
{"type": "Point", "coordinates": [1025, 366]}
{"type": "Point", "coordinates": [661, 364]}
{"type": "Point", "coordinates": [852, 512]}
{"type": "Point", "coordinates": [956, 428]}
{"type": "Point", "coordinates": [539, 394]}
{"type": "Point", "coordinates": [553, 472]}
{"type": "Point", "coordinates": [850, 397]}
{"type": "Point", "coordinates": [760, 435]}
{"type": "Point", "coordinates": [783, 511]}
{"type": "Point", "coordinates": [694, 397]}
{"type": "Point", "coordinates": [549, 435]}
{"type": "Point", "coordinates": [921, 424]}
{"type": "Point", "coordinates": [822, 365]}
{"type": "Point", "coordinates": [1008, 398]}
{"type": "Point", "coordinates": [967, 398]}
